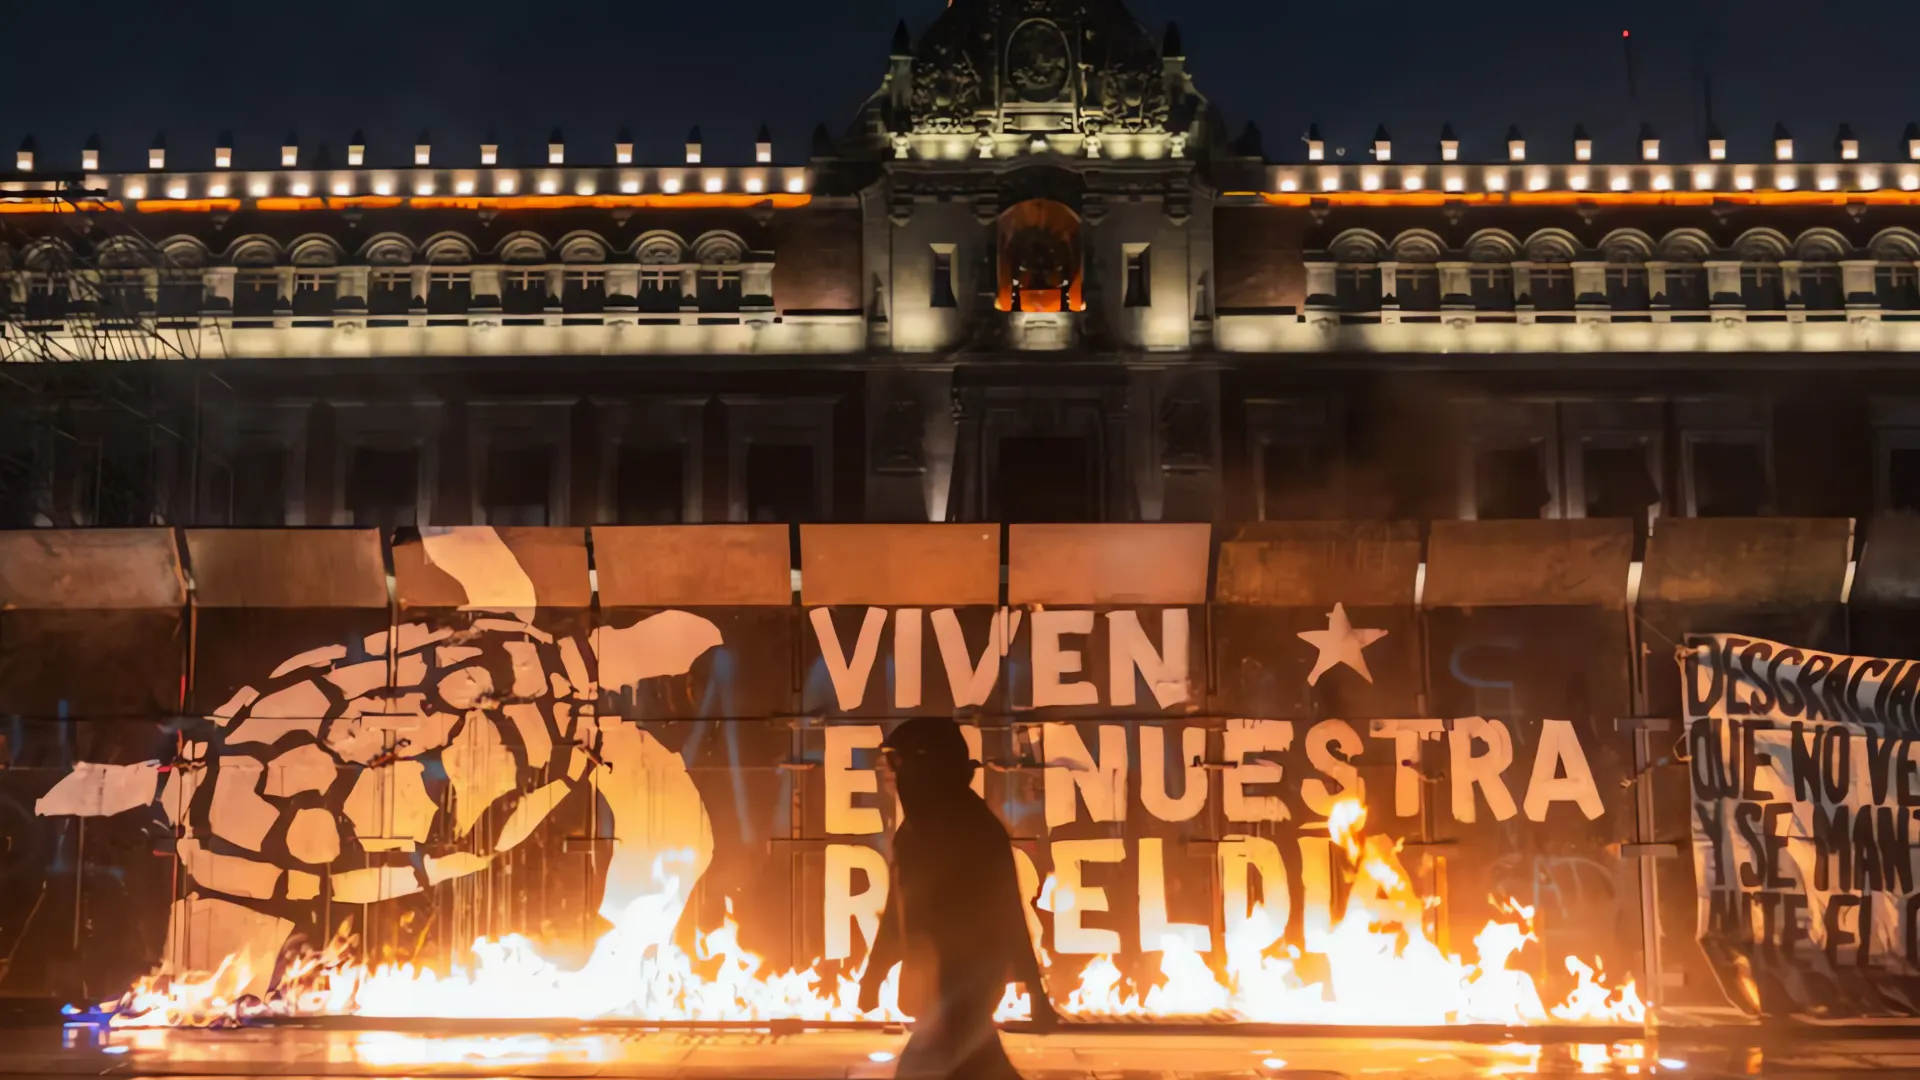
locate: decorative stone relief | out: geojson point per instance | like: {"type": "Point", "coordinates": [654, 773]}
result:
{"type": "Point", "coordinates": [1039, 63]}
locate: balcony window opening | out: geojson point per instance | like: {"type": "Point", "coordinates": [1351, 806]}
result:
{"type": "Point", "coordinates": [720, 289]}
{"type": "Point", "coordinates": [1046, 478]}
{"type": "Point", "coordinates": [123, 295]}
{"type": "Point", "coordinates": [1686, 288]}
{"type": "Point", "coordinates": [1760, 288]}
{"type": "Point", "coordinates": [256, 293]}
{"type": "Point", "coordinates": [782, 484]}
{"type": "Point", "coordinates": [586, 292]}
{"type": "Point", "coordinates": [258, 487]}
{"type": "Point", "coordinates": [1139, 277]}
{"type": "Point", "coordinates": [523, 292]}
{"type": "Point", "coordinates": [650, 484]}
{"type": "Point", "coordinates": [1729, 478]}
{"type": "Point", "coordinates": [314, 292]}
{"type": "Point", "coordinates": [942, 293]}
{"type": "Point", "coordinates": [118, 486]}
{"type": "Point", "coordinates": [1820, 288]}
{"type": "Point", "coordinates": [182, 293]}
{"type": "Point", "coordinates": [383, 488]}
{"type": "Point", "coordinates": [1897, 287]}
{"type": "Point", "coordinates": [1491, 288]}
{"type": "Point", "coordinates": [1040, 258]}
{"type": "Point", "coordinates": [19, 506]}
{"type": "Point", "coordinates": [519, 485]}
{"type": "Point", "coordinates": [1357, 288]}
{"type": "Point", "coordinates": [449, 292]}
{"type": "Point", "coordinates": [390, 292]}
{"type": "Point", "coordinates": [1297, 482]}
{"type": "Point", "coordinates": [1903, 479]}
{"type": "Point", "coordinates": [659, 290]}
{"type": "Point", "coordinates": [1620, 483]}
{"type": "Point", "coordinates": [1550, 287]}
{"type": "Point", "coordinates": [1627, 288]}
{"type": "Point", "coordinates": [1510, 482]}
{"type": "Point", "coordinates": [1417, 287]}
{"type": "Point", "coordinates": [47, 296]}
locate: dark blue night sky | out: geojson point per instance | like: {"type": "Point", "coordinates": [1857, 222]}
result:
{"type": "Point", "coordinates": [193, 67]}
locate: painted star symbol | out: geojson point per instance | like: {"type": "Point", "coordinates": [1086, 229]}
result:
{"type": "Point", "coordinates": [1340, 644]}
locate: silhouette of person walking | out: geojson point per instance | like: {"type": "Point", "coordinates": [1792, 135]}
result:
{"type": "Point", "coordinates": [955, 919]}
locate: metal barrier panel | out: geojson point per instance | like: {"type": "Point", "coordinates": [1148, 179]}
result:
{"type": "Point", "coordinates": [1770, 578]}
{"type": "Point", "coordinates": [1526, 627]}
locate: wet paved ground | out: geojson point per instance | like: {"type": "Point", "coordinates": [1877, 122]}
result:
{"type": "Point", "coordinates": [867, 1055]}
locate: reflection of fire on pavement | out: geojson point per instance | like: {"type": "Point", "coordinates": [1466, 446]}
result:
{"type": "Point", "coordinates": [873, 1054]}
{"type": "Point", "coordinates": [1382, 969]}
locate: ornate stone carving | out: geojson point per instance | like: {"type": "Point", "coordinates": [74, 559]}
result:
{"type": "Point", "coordinates": [1133, 94]}
{"type": "Point", "coordinates": [1039, 62]}
{"type": "Point", "coordinates": [946, 90]}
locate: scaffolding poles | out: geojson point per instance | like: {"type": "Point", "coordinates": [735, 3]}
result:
{"type": "Point", "coordinates": [88, 434]}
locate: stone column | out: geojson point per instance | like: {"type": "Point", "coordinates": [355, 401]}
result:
{"type": "Point", "coordinates": [1723, 282]}
{"type": "Point", "coordinates": [1857, 285]}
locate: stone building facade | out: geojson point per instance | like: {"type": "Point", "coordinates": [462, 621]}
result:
{"type": "Point", "coordinates": [1038, 278]}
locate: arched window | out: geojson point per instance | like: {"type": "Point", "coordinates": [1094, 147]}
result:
{"type": "Point", "coordinates": [1550, 280]}
{"type": "Point", "coordinates": [1685, 253]}
{"type": "Point", "coordinates": [183, 287]}
{"type": "Point", "coordinates": [1490, 278]}
{"type": "Point", "coordinates": [449, 279]}
{"type": "Point", "coordinates": [1041, 265]}
{"type": "Point", "coordinates": [1896, 278]}
{"type": "Point", "coordinates": [719, 256]}
{"type": "Point", "coordinates": [1356, 273]}
{"type": "Point", "coordinates": [1417, 278]}
{"type": "Point", "coordinates": [1820, 252]}
{"type": "Point", "coordinates": [660, 255]}
{"type": "Point", "coordinates": [256, 284]}
{"type": "Point", "coordinates": [1626, 254]}
{"type": "Point", "coordinates": [1760, 252]}
{"type": "Point", "coordinates": [584, 286]}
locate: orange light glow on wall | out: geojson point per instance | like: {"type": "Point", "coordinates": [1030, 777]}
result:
{"type": "Point", "coordinates": [1055, 226]}
{"type": "Point", "coordinates": [202, 206]}
{"type": "Point", "coordinates": [1590, 198]}
{"type": "Point", "coordinates": [693, 201]}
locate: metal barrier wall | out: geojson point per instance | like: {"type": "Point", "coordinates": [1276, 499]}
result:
{"type": "Point", "coordinates": [510, 734]}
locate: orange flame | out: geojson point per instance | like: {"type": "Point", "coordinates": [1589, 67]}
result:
{"type": "Point", "coordinates": [1382, 969]}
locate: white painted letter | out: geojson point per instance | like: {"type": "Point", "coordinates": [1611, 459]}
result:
{"type": "Point", "coordinates": [1070, 766]}
{"type": "Point", "coordinates": [1050, 661]}
{"type": "Point", "coordinates": [843, 781]}
{"type": "Point", "coordinates": [844, 906]}
{"type": "Point", "coordinates": [1316, 890]}
{"type": "Point", "coordinates": [1245, 737]}
{"type": "Point", "coordinates": [849, 677]}
{"type": "Point", "coordinates": [1321, 739]}
{"type": "Point", "coordinates": [1560, 746]}
{"type": "Point", "coordinates": [1129, 650]}
{"type": "Point", "coordinates": [1248, 930]}
{"type": "Point", "coordinates": [1071, 896]}
{"type": "Point", "coordinates": [906, 658]}
{"type": "Point", "coordinates": [1406, 736]}
{"type": "Point", "coordinates": [972, 684]}
{"type": "Point", "coordinates": [1154, 927]}
{"type": "Point", "coordinates": [1153, 773]}
{"type": "Point", "coordinates": [1484, 771]}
